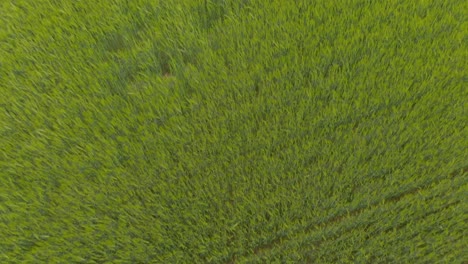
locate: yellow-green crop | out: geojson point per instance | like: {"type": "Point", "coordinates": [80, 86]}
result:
{"type": "Point", "coordinates": [233, 131]}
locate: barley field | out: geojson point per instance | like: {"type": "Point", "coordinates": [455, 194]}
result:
{"type": "Point", "coordinates": [233, 131]}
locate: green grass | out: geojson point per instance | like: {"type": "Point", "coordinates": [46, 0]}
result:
{"type": "Point", "coordinates": [233, 131]}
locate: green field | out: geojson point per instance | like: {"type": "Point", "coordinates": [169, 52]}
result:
{"type": "Point", "coordinates": [233, 131]}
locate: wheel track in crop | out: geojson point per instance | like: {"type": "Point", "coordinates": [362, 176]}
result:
{"type": "Point", "coordinates": [378, 231]}
{"type": "Point", "coordinates": [332, 220]}
{"type": "Point", "coordinates": [331, 239]}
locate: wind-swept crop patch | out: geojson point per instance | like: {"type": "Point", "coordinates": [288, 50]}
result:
{"type": "Point", "coordinates": [222, 131]}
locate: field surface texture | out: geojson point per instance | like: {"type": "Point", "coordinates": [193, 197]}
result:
{"type": "Point", "coordinates": [233, 131]}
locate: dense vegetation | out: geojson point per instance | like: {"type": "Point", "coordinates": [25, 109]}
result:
{"type": "Point", "coordinates": [233, 131]}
